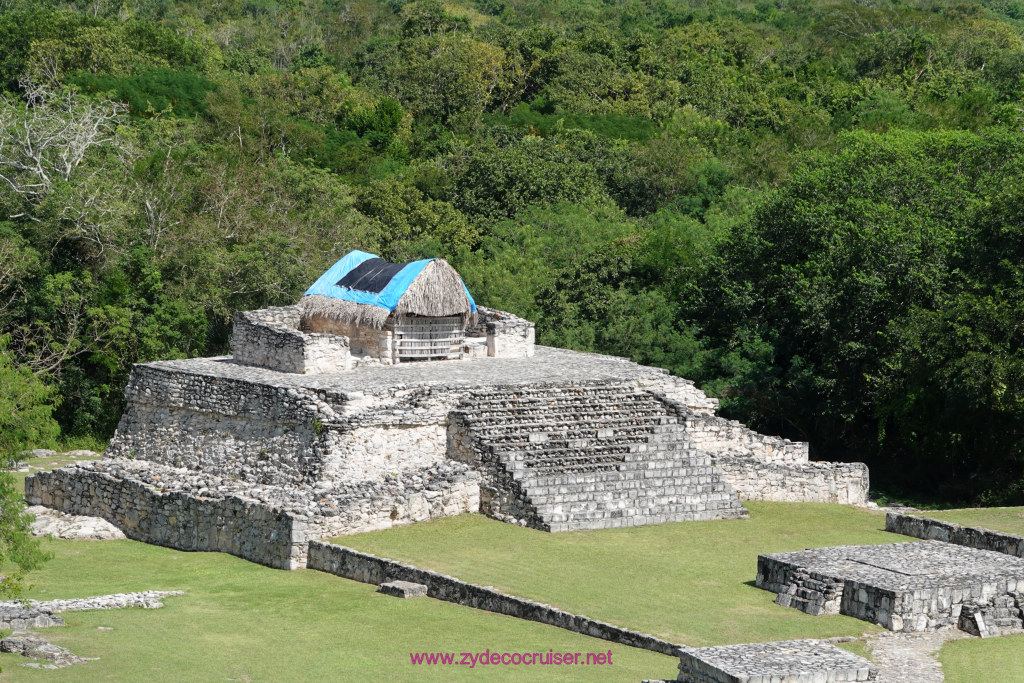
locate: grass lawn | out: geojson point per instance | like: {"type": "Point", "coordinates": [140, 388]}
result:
{"type": "Point", "coordinates": [690, 582]}
{"type": "Point", "coordinates": [244, 622]}
{"type": "Point", "coordinates": [1010, 520]}
{"type": "Point", "coordinates": [984, 661]}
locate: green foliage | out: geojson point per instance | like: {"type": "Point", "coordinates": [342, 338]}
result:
{"type": "Point", "coordinates": [404, 216]}
{"type": "Point", "coordinates": [521, 258]}
{"type": "Point", "coordinates": [20, 552]}
{"type": "Point", "coordinates": [152, 92]}
{"type": "Point", "coordinates": [26, 408]}
{"type": "Point", "coordinates": [862, 306]}
{"type": "Point", "coordinates": [499, 180]}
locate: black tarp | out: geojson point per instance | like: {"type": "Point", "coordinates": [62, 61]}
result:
{"type": "Point", "coordinates": [372, 275]}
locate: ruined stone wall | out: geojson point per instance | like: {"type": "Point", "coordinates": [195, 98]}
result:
{"type": "Point", "coordinates": [245, 528]}
{"type": "Point", "coordinates": [352, 564]}
{"type": "Point", "coordinates": [270, 434]}
{"type": "Point", "coordinates": [269, 525]}
{"type": "Point", "coordinates": [508, 335]}
{"type": "Point", "coordinates": [719, 436]}
{"type": "Point", "coordinates": [372, 451]}
{"type": "Point", "coordinates": [949, 532]}
{"type": "Point", "coordinates": [270, 338]}
{"type": "Point", "coordinates": [807, 482]}
{"type": "Point", "coordinates": [365, 342]}
{"type": "Point", "coordinates": [250, 430]}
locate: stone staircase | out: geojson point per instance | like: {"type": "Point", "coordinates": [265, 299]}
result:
{"type": "Point", "coordinates": [590, 457]}
{"type": "Point", "coordinates": [814, 594]}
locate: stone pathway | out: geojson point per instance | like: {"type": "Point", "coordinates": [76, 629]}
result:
{"type": "Point", "coordinates": [903, 657]}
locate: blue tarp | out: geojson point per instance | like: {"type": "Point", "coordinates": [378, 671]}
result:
{"type": "Point", "coordinates": [387, 298]}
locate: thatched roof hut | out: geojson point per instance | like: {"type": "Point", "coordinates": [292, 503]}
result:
{"type": "Point", "coordinates": [365, 290]}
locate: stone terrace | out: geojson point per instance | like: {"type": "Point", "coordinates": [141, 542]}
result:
{"type": "Point", "coordinates": [917, 586]}
{"type": "Point", "coordinates": [547, 366]}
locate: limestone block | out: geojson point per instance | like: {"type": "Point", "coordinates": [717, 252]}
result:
{"type": "Point", "coordinates": [403, 589]}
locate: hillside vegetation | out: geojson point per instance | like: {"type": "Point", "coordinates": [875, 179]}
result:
{"type": "Point", "coordinates": [813, 208]}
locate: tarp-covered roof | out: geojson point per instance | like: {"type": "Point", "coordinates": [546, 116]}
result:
{"type": "Point", "coordinates": [428, 287]}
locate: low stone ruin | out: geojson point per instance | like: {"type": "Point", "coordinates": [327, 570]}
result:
{"type": "Point", "coordinates": [918, 586]}
{"type": "Point", "coordinates": [791, 661]}
{"type": "Point", "coordinates": [34, 647]}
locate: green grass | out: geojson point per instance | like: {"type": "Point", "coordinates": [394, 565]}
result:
{"type": "Point", "coordinates": [1010, 520]}
{"type": "Point", "coordinates": [984, 661]}
{"type": "Point", "coordinates": [244, 622]}
{"type": "Point", "coordinates": [690, 583]}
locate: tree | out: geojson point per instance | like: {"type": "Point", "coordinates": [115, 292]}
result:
{"type": "Point", "coordinates": [867, 308]}
{"type": "Point", "coordinates": [26, 405]}
{"type": "Point", "coordinates": [47, 138]}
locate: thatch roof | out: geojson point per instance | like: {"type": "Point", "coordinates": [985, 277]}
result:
{"type": "Point", "coordinates": [436, 291]}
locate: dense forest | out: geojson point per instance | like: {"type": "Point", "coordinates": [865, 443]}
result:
{"type": "Point", "coordinates": [813, 208]}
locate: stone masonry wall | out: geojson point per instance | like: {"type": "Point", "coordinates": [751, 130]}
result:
{"type": "Point", "coordinates": [808, 482]}
{"type": "Point", "coordinates": [269, 525]}
{"type": "Point", "coordinates": [351, 564]}
{"type": "Point", "coordinates": [762, 467]}
{"type": "Point", "coordinates": [939, 530]}
{"type": "Point", "coordinates": [367, 343]}
{"type": "Point", "coordinates": [251, 430]}
{"type": "Point", "coordinates": [270, 338]}
{"type": "Point", "coordinates": [231, 524]}
{"type": "Point", "coordinates": [717, 435]}
{"type": "Point", "coordinates": [508, 335]}
{"type": "Point", "coordinates": [368, 452]}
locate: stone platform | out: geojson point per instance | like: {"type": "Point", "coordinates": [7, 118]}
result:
{"type": "Point", "coordinates": [916, 586]}
{"type": "Point", "coordinates": [271, 525]}
{"type": "Point", "coordinates": [212, 454]}
{"type": "Point", "coordinates": [791, 661]}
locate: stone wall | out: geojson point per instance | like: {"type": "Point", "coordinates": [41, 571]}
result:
{"type": "Point", "coordinates": [939, 530]}
{"type": "Point", "coordinates": [270, 338]}
{"type": "Point", "coordinates": [352, 564]}
{"type": "Point", "coordinates": [367, 344]}
{"type": "Point", "coordinates": [245, 528]}
{"type": "Point", "coordinates": [373, 451]}
{"type": "Point", "coordinates": [508, 335]}
{"type": "Point", "coordinates": [717, 435]}
{"type": "Point", "coordinates": [254, 431]}
{"type": "Point", "coordinates": [269, 525]}
{"type": "Point", "coordinates": [808, 482]}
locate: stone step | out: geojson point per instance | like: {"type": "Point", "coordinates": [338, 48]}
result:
{"type": "Point", "coordinates": [650, 490]}
{"type": "Point", "coordinates": [651, 424]}
{"type": "Point", "coordinates": [584, 524]}
{"type": "Point", "coordinates": [631, 497]}
{"type": "Point", "coordinates": [562, 442]}
{"type": "Point", "coordinates": [541, 417]}
{"type": "Point", "coordinates": [627, 468]}
{"type": "Point", "coordinates": [535, 394]}
{"type": "Point", "coordinates": [533, 458]}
